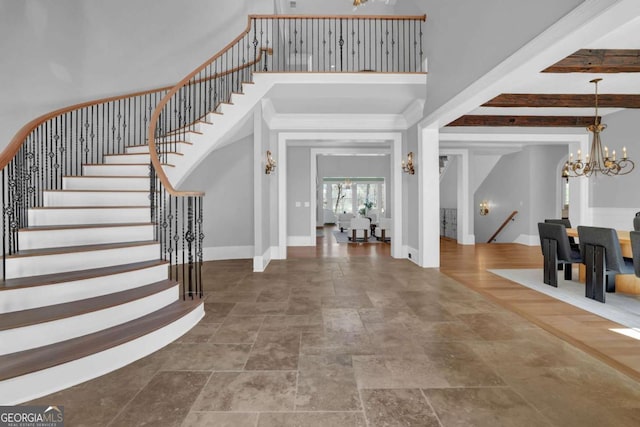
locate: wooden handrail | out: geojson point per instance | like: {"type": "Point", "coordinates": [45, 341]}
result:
{"type": "Point", "coordinates": [370, 17]}
{"type": "Point", "coordinates": [155, 160]}
{"type": "Point", "coordinates": [18, 139]}
{"type": "Point", "coordinates": [504, 224]}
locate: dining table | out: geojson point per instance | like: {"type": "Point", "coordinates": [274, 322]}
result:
{"type": "Point", "coordinates": [625, 283]}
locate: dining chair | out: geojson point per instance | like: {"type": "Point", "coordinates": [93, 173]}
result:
{"type": "Point", "coordinates": [636, 223]}
{"type": "Point", "coordinates": [600, 249]}
{"type": "Point", "coordinates": [556, 250]}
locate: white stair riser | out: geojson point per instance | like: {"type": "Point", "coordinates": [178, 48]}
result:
{"type": "Point", "coordinates": [126, 159]}
{"type": "Point", "coordinates": [17, 299]}
{"type": "Point", "coordinates": [59, 263]}
{"type": "Point", "coordinates": [41, 383]}
{"type": "Point", "coordinates": [116, 170]}
{"type": "Point", "coordinates": [41, 334]}
{"type": "Point", "coordinates": [137, 158]}
{"type": "Point", "coordinates": [36, 239]}
{"type": "Point", "coordinates": [105, 183]}
{"type": "Point", "coordinates": [97, 198]}
{"type": "Point", "coordinates": [87, 216]}
{"type": "Point", "coordinates": [186, 137]}
{"type": "Point", "coordinates": [137, 149]}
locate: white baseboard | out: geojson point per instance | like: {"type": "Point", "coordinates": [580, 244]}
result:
{"type": "Point", "coordinates": [261, 262]}
{"type": "Point", "coordinates": [227, 252]}
{"type": "Point", "coordinates": [411, 254]}
{"type": "Point", "coordinates": [301, 240]}
{"type": "Point", "coordinates": [275, 253]}
{"type": "Point", "coordinates": [468, 239]}
{"type": "Point", "coordinates": [528, 239]}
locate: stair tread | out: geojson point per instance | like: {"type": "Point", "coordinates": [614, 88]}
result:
{"type": "Point", "coordinates": [69, 276]}
{"type": "Point", "coordinates": [34, 316]}
{"type": "Point", "coordinates": [83, 226]}
{"type": "Point", "coordinates": [82, 248]}
{"type": "Point", "coordinates": [142, 154]}
{"type": "Point", "coordinates": [28, 361]}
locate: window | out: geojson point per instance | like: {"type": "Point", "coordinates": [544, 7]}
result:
{"type": "Point", "coordinates": [353, 195]}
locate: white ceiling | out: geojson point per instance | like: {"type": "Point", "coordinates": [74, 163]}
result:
{"type": "Point", "coordinates": [336, 7]}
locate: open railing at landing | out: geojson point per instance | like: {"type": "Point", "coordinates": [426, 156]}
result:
{"type": "Point", "coordinates": [57, 144]}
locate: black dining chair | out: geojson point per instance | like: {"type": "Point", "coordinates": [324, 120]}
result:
{"type": "Point", "coordinates": [567, 223]}
{"type": "Point", "coordinates": [635, 250]}
{"type": "Point", "coordinates": [600, 249]}
{"type": "Point", "coordinates": [636, 223]}
{"type": "Point", "coordinates": [556, 250]}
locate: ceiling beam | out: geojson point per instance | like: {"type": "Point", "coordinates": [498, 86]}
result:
{"type": "Point", "coordinates": [599, 61]}
{"type": "Point", "coordinates": [523, 121]}
{"type": "Point", "coordinates": [563, 100]}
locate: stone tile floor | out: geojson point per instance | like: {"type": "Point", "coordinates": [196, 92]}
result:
{"type": "Point", "coordinates": [354, 341]}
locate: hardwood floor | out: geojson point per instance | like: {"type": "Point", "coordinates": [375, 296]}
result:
{"type": "Point", "coordinates": [589, 332]}
{"type": "Point", "coordinates": [327, 247]}
{"type": "Point", "coordinates": [345, 335]}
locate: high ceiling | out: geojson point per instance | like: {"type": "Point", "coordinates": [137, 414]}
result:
{"type": "Point", "coordinates": [613, 55]}
{"type": "Point", "coordinates": [549, 94]}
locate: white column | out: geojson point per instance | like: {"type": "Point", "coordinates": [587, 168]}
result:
{"type": "Point", "coordinates": [429, 197]}
{"type": "Point", "coordinates": [579, 212]}
{"type": "Point", "coordinates": [466, 232]}
{"type": "Point", "coordinates": [258, 164]}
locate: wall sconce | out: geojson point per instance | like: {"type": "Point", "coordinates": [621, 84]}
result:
{"type": "Point", "coordinates": [484, 207]}
{"type": "Point", "coordinates": [408, 165]}
{"type": "Point", "coordinates": [270, 166]}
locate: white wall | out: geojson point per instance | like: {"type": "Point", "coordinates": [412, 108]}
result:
{"type": "Point", "coordinates": [58, 53]}
{"type": "Point", "coordinates": [226, 176]}
{"type": "Point", "coordinates": [465, 39]}
{"type": "Point", "coordinates": [619, 191]}
{"type": "Point", "coordinates": [449, 184]}
{"type": "Point", "coordinates": [411, 188]}
{"type": "Point", "coordinates": [525, 181]}
{"type": "Point", "coordinates": [298, 217]}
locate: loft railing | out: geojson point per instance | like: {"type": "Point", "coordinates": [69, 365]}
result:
{"type": "Point", "coordinates": [58, 143]}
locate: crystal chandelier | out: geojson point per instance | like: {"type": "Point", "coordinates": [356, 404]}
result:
{"type": "Point", "coordinates": [598, 160]}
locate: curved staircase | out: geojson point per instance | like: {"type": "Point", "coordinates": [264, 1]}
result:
{"type": "Point", "coordinates": [87, 292]}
